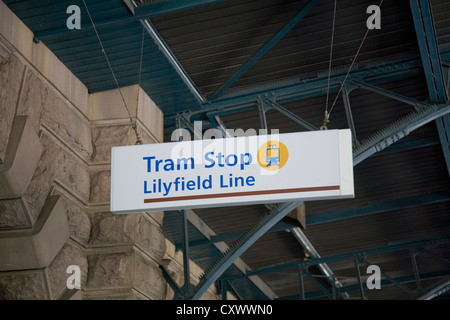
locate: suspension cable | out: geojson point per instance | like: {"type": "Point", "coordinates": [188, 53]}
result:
{"type": "Point", "coordinates": [327, 113]}
{"type": "Point", "coordinates": [133, 124]}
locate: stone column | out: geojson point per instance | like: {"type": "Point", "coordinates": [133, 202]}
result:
{"type": "Point", "coordinates": [124, 251]}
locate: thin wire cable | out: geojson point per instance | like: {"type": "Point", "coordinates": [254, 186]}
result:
{"type": "Point", "coordinates": [139, 84]}
{"type": "Point", "coordinates": [351, 66]}
{"type": "Point", "coordinates": [133, 125]}
{"type": "Point", "coordinates": [331, 58]}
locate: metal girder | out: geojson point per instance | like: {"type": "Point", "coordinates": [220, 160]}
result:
{"type": "Point", "coordinates": [172, 283]}
{"type": "Point", "coordinates": [397, 130]}
{"type": "Point", "coordinates": [443, 126]}
{"type": "Point", "coordinates": [149, 10]}
{"type": "Point", "coordinates": [298, 17]}
{"type": "Point", "coordinates": [209, 234]}
{"type": "Point", "coordinates": [409, 145]}
{"type": "Point", "coordinates": [309, 248]}
{"type": "Point", "coordinates": [436, 291]}
{"type": "Point", "coordinates": [333, 216]}
{"type": "Point", "coordinates": [418, 105]}
{"type": "Point", "coordinates": [429, 49]}
{"type": "Point", "coordinates": [384, 283]}
{"type": "Point", "coordinates": [240, 246]}
{"type": "Point", "coordinates": [432, 65]}
{"type": "Point", "coordinates": [302, 89]}
{"type": "Point", "coordinates": [289, 114]}
{"type": "Point", "coordinates": [391, 279]}
{"type": "Point", "coordinates": [304, 271]}
{"type": "Point", "coordinates": [351, 255]}
{"type": "Point", "coordinates": [349, 114]}
{"type": "Point", "coordinates": [151, 30]}
{"type": "Point", "coordinates": [377, 207]}
{"type": "Point", "coordinates": [186, 256]}
{"type": "Point", "coordinates": [280, 226]}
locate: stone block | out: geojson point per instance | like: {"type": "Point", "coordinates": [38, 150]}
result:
{"type": "Point", "coordinates": [24, 285]}
{"type": "Point", "coordinates": [148, 279]}
{"type": "Point", "coordinates": [110, 229]}
{"type": "Point", "coordinates": [109, 105]}
{"type": "Point", "coordinates": [36, 247]}
{"type": "Point", "coordinates": [11, 70]}
{"type": "Point", "coordinates": [112, 274]}
{"type": "Point", "coordinates": [22, 156]}
{"type": "Point", "coordinates": [110, 270]}
{"type": "Point", "coordinates": [100, 191]}
{"type": "Point", "coordinates": [13, 214]}
{"type": "Point", "coordinates": [106, 137]}
{"type": "Point", "coordinates": [151, 116]}
{"type": "Point", "coordinates": [46, 108]}
{"type": "Point", "coordinates": [150, 238]}
{"type": "Point", "coordinates": [56, 163]}
{"type": "Point", "coordinates": [57, 271]}
{"type": "Point", "coordinates": [79, 222]}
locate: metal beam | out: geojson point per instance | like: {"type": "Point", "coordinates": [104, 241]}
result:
{"type": "Point", "coordinates": [149, 10]}
{"type": "Point", "coordinates": [208, 233]}
{"type": "Point", "coordinates": [350, 255]}
{"type": "Point", "coordinates": [151, 30]}
{"type": "Point", "coordinates": [289, 114]}
{"type": "Point", "coordinates": [349, 114]}
{"type": "Point", "coordinates": [302, 89]}
{"type": "Point", "coordinates": [443, 126]}
{"type": "Point", "coordinates": [418, 105]}
{"type": "Point", "coordinates": [186, 256]}
{"type": "Point", "coordinates": [391, 279]}
{"type": "Point", "coordinates": [312, 252]}
{"type": "Point", "coordinates": [298, 17]}
{"type": "Point", "coordinates": [432, 64]}
{"type": "Point", "coordinates": [377, 207]}
{"type": "Point", "coordinates": [429, 49]}
{"type": "Point", "coordinates": [333, 216]}
{"type": "Point", "coordinates": [230, 236]}
{"type": "Point", "coordinates": [253, 234]}
{"type": "Point", "coordinates": [384, 283]}
{"type": "Point", "coordinates": [436, 291]}
{"type": "Point", "coordinates": [172, 283]}
{"type": "Point", "coordinates": [397, 130]}
{"type": "Point", "coordinates": [158, 8]}
{"type": "Point", "coordinates": [411, 144]}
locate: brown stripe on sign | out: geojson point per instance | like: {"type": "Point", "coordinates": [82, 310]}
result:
{"type": "Point", "coordinates": [241, 194]}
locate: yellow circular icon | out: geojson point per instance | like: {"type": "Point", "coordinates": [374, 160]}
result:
{"type": "Point", "coordinates": [273, 155]}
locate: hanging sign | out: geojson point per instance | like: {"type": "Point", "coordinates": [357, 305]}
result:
{"type": "Point", "coordinates": [233, 171]}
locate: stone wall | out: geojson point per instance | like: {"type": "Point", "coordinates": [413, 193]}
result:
{"type": "Point", "coordinates": [61, 216]}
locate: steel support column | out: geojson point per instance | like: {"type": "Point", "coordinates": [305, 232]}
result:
{"type": "Point", "coordinates": [186, 268]}
{"type": "Point", "coordinates": [358, 278]}
{"type": "Point", "coordinates": [432, 64]}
